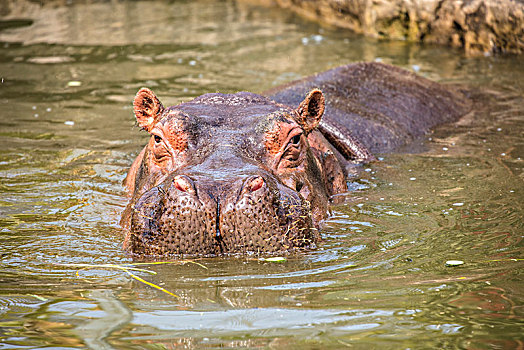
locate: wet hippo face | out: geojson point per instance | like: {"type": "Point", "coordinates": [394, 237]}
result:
{"type": "Point", "coordinates": [225, 174]}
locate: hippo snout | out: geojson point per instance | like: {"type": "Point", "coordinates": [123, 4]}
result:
{"type": "Point", "coordinates": [193, 215]}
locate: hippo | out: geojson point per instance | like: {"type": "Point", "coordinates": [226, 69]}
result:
{"type": "Point", "coordinates": [244, 173]}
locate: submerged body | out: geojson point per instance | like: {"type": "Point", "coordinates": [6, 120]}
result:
{"type": "Point", "coordinates": [383, 106]}
{"type": "Point", "coordinates": [241, 173]}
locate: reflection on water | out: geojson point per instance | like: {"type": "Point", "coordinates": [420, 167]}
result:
{"type": "Point", "coordinates": [68, 75]}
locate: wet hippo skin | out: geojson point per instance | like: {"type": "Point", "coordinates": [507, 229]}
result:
{"type": "Point", "coordinates": [383, 106]}
{"type": "Point", "coordinates": [235, 174]}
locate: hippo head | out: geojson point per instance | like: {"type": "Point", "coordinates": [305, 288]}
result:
{"type": "Point", "coordinates": [226, 174]}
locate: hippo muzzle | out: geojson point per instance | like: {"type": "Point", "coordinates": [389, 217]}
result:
{"type": "Point", "coordinates": [191, 215]}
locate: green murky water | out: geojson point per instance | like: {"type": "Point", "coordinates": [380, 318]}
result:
{"type": "Point", "coordinates": [68, 75]}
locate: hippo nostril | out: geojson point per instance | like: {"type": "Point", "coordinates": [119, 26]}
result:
{"type": "Point", "coordinates": [183, 183]}
{"type": "Point", "coordinates": [256, 183]}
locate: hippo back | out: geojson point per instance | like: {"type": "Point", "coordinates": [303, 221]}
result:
{"type": "Point", "coordinates": [383, 106]}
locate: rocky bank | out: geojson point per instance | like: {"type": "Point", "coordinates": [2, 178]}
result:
{"type": "Point", "coordinates": [478, 26]}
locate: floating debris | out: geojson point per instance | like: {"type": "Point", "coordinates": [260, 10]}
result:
{"type": "Point", "coordinates": [127, 268]}
{"type": "Point", "coordinates": [509, 259]}
{"type": "Point", "coordinates": [50, 59]}
{"type": "Point", "coordinates": [317, 38]}
{"type": "Point", "coordinates": [454, 262]}
{"type": "Point", "coordinates": [74, 83]}
{"type": "Point", "coordinates": [38, 297]}
{"type": "Point", "coordinates": [274, 259]}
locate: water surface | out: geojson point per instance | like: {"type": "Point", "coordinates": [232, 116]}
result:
{"type": "Point", "coordinates": [379, 280]}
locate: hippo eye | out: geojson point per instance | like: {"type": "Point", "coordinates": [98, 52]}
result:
{"type": "Point", "coordinates": [159, 150]}
{"type": "Point", "coordinates": [292, 153]}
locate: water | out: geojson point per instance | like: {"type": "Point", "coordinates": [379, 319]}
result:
{"type": "Point", "coordinates": [380, 280]}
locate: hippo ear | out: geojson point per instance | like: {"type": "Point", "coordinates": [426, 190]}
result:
{"type": "Point", "coordinates": [310, 111]}
{"type": "Point", "coordinates": [147, 108]}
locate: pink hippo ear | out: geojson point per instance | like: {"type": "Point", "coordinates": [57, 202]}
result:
{"type": "Point", "coordinates": [147, 108]}
{"type": "Point", "coordinates": [310, 111]}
